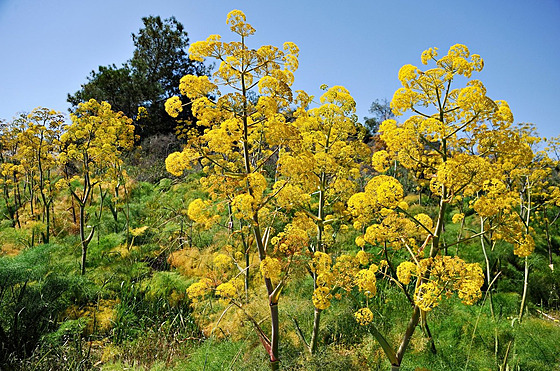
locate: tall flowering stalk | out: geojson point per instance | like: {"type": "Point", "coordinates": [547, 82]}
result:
{"type": "Point", "coordinates": [241, 137]}
{"type": "Point", "coordinates": [93, 144]}
{"type": "Point", "coordinates": [455, 139]}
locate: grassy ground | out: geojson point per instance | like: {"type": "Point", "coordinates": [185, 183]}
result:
{"type": "Point", "coordinates": [130, 311]}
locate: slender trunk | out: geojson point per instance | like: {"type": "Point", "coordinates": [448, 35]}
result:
{"type": "Point", "coordinates": [83, 239]}
{"type": "Point", "coordinates": [83, 203]}
{"type": "Point", "coordinates": [53, 217]}
{"type": "Point", "coordinates": [412, 323]}
{"type": "Point", "coordinates": [31, 196]}
{"type": "Point", "coordinates": [387, 349]}
{"type": "Point", "coordinates": [321, 248]}
{"type": "Point", "coordinates": [17, 201]}
{"type": "Point", "coordinates": [48, 223]}
{"type": "Point", "coordinates": [526, 271]}
{"type": "Point", "coordinates": [274, 357]}
{"type": "Point", "coordinates": [525, 285]}
{"type": "Point", "coordinates": [247, 277]}
{"type": "Point", "coordinates": [46, 236]}
{"type": "Point", "coordinates": [548, 242]}
{"type": "Point", "coordinates": [127, 214]}
{"type": "Point", "coordinates": [273, 299]}
{"type": "Point", "coordinates": [488, 278]}
{"type": "Point", "coordinates": [315, 332]}
{"type": "Point", "coordinates": [427, 332]}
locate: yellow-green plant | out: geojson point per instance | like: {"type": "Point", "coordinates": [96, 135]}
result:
{"type": "Point", "coordinates": [452, 138]}
{"type": "Point", "coordinates": [11, 172]}
{"type": "Point", "coordinates": [318, 176]}
{"type": "Point", "coordinates": [240, 137]}
{"type": "Point", "coordinates": [38, 145]}
{"type": "Point", "coordinates": [93, 144]}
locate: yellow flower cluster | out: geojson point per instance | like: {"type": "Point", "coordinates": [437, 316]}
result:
{"type": "Point", "coordinates": [302, 221]}
{"type": "Point", "coordinates": [293, 240]}
{"type": "Point", "coordinates": [428, 295]}
{"type": "Point", "coordinates": [365, 281]}
{"type": "Point", "coordinates": [446, 274]}
{"type": "Point", "coordinates": [427, 225]}
{"type": "Point", "coordinates": [257, 184]}
{"type": "Point", "coordinates": [244, 206]}
{"type": "Point", "coordinates": [496, 198]}
{"type": "Point", "coordinates": [512, 230]}
{"type": "Point", "coordinates": [236, 20]}
{"type": "Point", "coordinates": [321, 263]}
{"type": "Point", "coordinates": [433, 144]}
{"type": "Point", "coordinates": [380, 161]}
{"type": "Point", "coordinates": [98, 130]}
{"type": "Point", "coordinates": [429, 54]}
{"type": "Point", "coordinates": [363, 257]}
{"type": "Point", "coordinates": [396, 230]}
{"type": "Point", "coordinates": [222, 261]}
{"type": "Point", "coordinates": [457, 218]}
{"type": "Point", "coordinates": [173, 106]}
{"type": "Point", "coordinates": [423, 87]}
{"type": "Point", "coordinates": [364, 316]}
{"type": "Point", "coordinates": [230, 290]}
{"type": "Point", "coordinates": [345, 275]}
{"type": "Point", "coordinates": [463, 174]}
{"type": "Point", "coordinates": [524, 245]}
{"type": "Point", "coordinates": [405, 270]}
{"type": "Point", "coordinates": [200, 213]}
{"type": "Point", "coordinates": [196, 87]}
{"type": "Point", "coordinates": [95, 140]}
{"type": "Point", "coordinates": [384, 192]}
{"type": "Point", "coordinates": [142, 113]}
{"type": "Point", "coordinates": [381, 192]}
{"type": "Point", "coordinates": [199, 289]}
{"type": "Point", "coordinates": [344, 271]}
{"type": "Point", "coordinates": [321, 297]}
{"type": "Point", "coordinates": [271, 268]}
{"type": "Point", "coordinates": [177, 162]}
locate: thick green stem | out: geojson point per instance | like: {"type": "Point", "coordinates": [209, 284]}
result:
{"type": "Point", "coordinates": [315, 332]}
{"type": "Point", "coordinates": [273, 301]}
{"type": "Point", "coordinates": [525, 285]}
{"type": "Point", "coordinates": [412, 323]}
{"type": "Point", "coordinates": [321, 248]}
{"type": "Point", "coordinates": [387, 349]}
{"type": "Point", "coordinates": [526, 272]}
{"type": "Point", "coordinates": [274, 356]}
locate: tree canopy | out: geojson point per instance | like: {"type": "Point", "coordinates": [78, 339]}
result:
{"type": "Point", "coordinates": [141, 85]}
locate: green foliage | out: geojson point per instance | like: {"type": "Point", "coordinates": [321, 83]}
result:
{"type": "Point", "coordinates": [157, 303]}
{"type": "Point", "coordinates": [131, 309]}
{"type": "Point", "coordinates": [153, 328]}
{"type": "Point", "coordinates": [214, 355]}
{"type": "Point", "coordinates": [147, 79]}
{"type": "Point", "coordinates": [33, 293]}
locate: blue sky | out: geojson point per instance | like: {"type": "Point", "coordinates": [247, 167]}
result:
{"type": "Point", "coordinates": [48, 48]}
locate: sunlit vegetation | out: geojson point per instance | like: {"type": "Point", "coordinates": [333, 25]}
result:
{"type": "Point", "coordinates": [283, 236]}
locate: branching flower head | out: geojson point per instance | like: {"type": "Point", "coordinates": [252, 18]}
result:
{"type": "Point", "coordinates": [364, 316]}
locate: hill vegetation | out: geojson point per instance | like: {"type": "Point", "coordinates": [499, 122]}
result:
{"type": "Point", "coordinates": [281, 235]}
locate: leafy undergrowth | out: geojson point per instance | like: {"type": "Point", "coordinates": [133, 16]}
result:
{"type": "Point", "coordinates": [131, 312]}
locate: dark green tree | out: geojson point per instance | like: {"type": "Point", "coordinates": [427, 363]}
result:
{"type": "Point", "coordinates": [113, 84]}
{"type": "Point", "coordinates": [151, 76]}
{"type": "Point", "coordinates": [381, 110]}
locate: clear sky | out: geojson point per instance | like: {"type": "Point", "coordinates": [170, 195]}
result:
{"type": "Point", "coordinates": [48, 48]}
